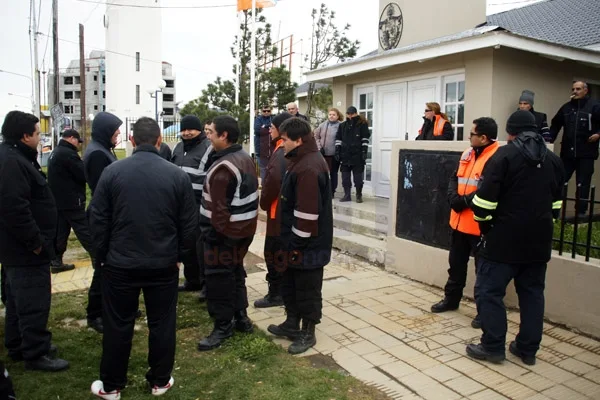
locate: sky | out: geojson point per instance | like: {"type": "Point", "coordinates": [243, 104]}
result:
{"type": "Point", "coordinates": [195, 41]}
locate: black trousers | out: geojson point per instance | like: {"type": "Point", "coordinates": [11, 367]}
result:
{"type": "Point", "coordinates": [6, 387]}
{"type": "Point", "coordinates": [94, 307]}
{"type": "Point", "coordinates": [301, 291]}
{"type": "Point", "coordinates": [334, 168]}
{"type": "Point", "coordinates": [273, 258]}
{"type": "Point", "coordinates": [77, 220]}
{"type": "Point", "coordinates": [492, 280]}
{"type": "Point", "coordinates": [27, 309]}
{"type": "Point", "coordinates": [225, 279]}
{"type": "Point", "coordinates": [357, 172]}
{"type": "Point", "coordinates": [120, 297]}
{"type": "Point", "coordinates": [462, 246]}
{"type": "Point", "coordinates": [193, 264]}
{"type": "Point", "coordinates": [583, 169]}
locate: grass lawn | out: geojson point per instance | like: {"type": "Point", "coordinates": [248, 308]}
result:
{"type": "Point", "coordinates": [582, 231]}
{"type": "Point", "coordinates": [248, 367]}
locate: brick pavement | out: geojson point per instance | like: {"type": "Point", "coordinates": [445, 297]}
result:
{"type": "Point", "coordinates": [377, 326]}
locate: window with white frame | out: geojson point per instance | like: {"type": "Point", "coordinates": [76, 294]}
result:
{"type": "Point", "coordinates": [454, 103]}
{"type": "Point", "coordinates": [365, 108]}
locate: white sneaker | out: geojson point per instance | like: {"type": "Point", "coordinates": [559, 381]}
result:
{"type": "Point", "coordinates": [98, 390]}
{"type": "Point", "coordinates": [159, 391]}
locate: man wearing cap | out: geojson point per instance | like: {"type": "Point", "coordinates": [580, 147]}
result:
{"type": "Point", "coordinates": [191, 155]}
{"type": "Point", "coordinates": [66, 178]}
{"type": "Point", "coordinates": [520, 194]}
{"type": "Point", "coordinates": [262, 141]}
{"type": "Point", "coordinates": [541, 120]}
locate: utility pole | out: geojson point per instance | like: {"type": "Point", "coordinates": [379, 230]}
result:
{"type": "Point", "coordinates": [36, 71]}
{"type": "Point", "coordinates": [56, 98]}
{"type": "Point", "coordinates": [83, 127]}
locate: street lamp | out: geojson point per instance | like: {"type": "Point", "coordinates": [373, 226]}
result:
{"type": "Point", "coordinates": [154, 94]}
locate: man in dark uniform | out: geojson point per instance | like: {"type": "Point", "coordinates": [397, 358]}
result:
{"type": "Point", "coordinates": [262, 143]}
{"type": "Point", "coordinates": [228, 218]}
{"type": "Point", "coordinates": [306, 234]}
{"type": "Point", "coordinates": [27, 229]}
{"type": "Point", "coordinates": [140, 194]}
{"type": "Point", "coordinates": [99, 154]}
{"type": "Point", "coordinates": [541, 119]}
{"type": "Point", "coordinates": [191, 155]}
{"type": "Point", "coordinates": [66, 178]}
{"type": "Point", "coordinates": [580, 121]}
{"type": "Point", "coordinates": [519, 196]}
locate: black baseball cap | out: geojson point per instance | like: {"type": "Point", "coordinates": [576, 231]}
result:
{"type": "Point", "coordinates": [72, 133]}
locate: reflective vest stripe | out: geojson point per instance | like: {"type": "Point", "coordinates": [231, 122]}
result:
{"type": "Point", "coordinates": [486, 205]}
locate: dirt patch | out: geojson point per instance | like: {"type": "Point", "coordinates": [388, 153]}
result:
{"type": "Point", "coordinates": [326, 362]}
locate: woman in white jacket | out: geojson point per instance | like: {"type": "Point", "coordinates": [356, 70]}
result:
{"type": "Point", "coordinates": [325, 137]}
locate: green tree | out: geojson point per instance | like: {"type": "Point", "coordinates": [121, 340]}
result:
{"type": "Point", "coordinates": [328, 42]}
{"type": "Point", "coordinates": [323, 99]}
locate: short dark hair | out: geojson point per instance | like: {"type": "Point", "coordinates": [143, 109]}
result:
{"type": "Point", "coordinates": [295, 128]}
{"type": "Point", "coordinates": [280, 119]}
{"type": "Point", "coordinates": [226, 123]}
{"type": "Point", "coordinates": [486, 126]}
{"type": "Point", "coordinates": [208, 122]}
{"type": "Point", "coordinates": [17, 124]}
{"type": "Point", "coordinates": [146, 131]}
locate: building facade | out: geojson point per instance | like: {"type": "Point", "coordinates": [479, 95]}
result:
{"type": "Point", "coordinates": [462, 60]}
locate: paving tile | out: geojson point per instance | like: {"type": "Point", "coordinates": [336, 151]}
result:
{"type": "Point", "coordinates": [343, 354]}
{"type": "Point", "coordinates": [355, 324]}
{"type": "Point", "coordinates": [333, 329]}
{"type": "Point", "coordinates": [487, 394]}
{"type": "Point", "coordinates": [341, 316]}
{"type": "Point", "coordinates": [422, 362]}
{"type": "Point", "coordinates": [560, 392]}
{"type": "Point", "coordinates": [487, 376]}
{"type": "Point", "coordinates": [424, 345]}
{"type": "Point", "coordinates": [585, 387]}
{"type": "Point", "coordinates": [325, 344]}
{"type": "Point", "coordinates": [535, 381]}
{"type": "Point", "coordinates": [347, 338]}
{"type": "Point", "coordinates": [386, 341]}
{"type": "Point", "coordinates": [379, 358]}
{"type": "Point", "coordinates": [417, 381]}
{"type": "Point", "coordinates": [369, 333]}
{"type": "Point", "coordinates": [437, 391]}
{"type": "Point", "coordinates": [552, 372]}
{"type": "Point", "coordinates": [442, 373]}
{"type": "Point", "coordinates": [567, 349]}
{"type": "Point", "coordinates": [443, 355]}
{"type": "Point", "coordinates": [539, 396]}
{"type": "Point", "coordinates": [398, 369]}
{"type": "Point", "coordinates": [446, 339]}
{"type": "Point", "coordinates": [514, 390]}
{"type": "Point", "coordinates": [363, 347]}
{"type": "Point", "coordinates": [577, 367]}
{"type": "Point", "coordinates": [403, 352]}
{"type": "Point", "coordinates": [465, 386]}
{"type": "Point", "coordinates": [508, 369]}
{"type": "Point", "coordinates": [593, 376]}
{"type": "Point", "coordinates": [354, 364]}
{"type": "Point", "coordinates": [589, 358]}
{"type": "Point", "coordinates": [466, 366]}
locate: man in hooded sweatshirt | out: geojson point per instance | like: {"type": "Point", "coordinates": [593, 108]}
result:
{"type": "Point", "coordinates": [519, 196]}
{"type": "Point", "coordinates": [191, 155]}
{"type": "Point", "coordinates": [99, 154]}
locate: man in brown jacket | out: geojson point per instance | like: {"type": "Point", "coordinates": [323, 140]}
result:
{"type": "Point", "coordinates": [269, 199]}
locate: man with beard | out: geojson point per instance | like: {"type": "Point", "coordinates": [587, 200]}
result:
{"type": "Point", "coordinates": [191, 155]}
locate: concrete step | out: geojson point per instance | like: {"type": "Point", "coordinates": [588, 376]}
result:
{"type": "Point", "coordinates": [373, 209]}
{"type": "Point", "coordinates": [366, 247]}
{"type": "Point", "coordinates": [367, 227]}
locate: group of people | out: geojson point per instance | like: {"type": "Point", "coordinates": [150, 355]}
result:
{"type": "Point", "coordinates": [504, 201]}
{"type": "Point", "coordinates": [149, 213]}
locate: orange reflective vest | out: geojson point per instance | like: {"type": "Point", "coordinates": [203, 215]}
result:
{"type": "Point", "coordinates": [273, 211]}
{"type": "Point", "coordinates": [468, 174]}
{"type": "Point", "coordinates": [438, 127]}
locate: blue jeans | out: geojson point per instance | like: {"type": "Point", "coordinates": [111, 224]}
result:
{"type": "Point", "coordinates": [492, 280]}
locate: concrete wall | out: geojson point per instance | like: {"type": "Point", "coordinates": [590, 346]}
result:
{"type": "Point", "coordinates": [572, 296]}
{"type": "Point", "coordinates": [438, 18]}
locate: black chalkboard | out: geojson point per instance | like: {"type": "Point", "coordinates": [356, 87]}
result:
{"type": "Point", "coordinates": [423, 211]}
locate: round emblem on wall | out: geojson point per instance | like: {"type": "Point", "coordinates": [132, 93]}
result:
{"type": "Point", "coordinates": [390, 26]}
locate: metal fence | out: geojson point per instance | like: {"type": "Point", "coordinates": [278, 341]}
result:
{"type": "Point", "coordinates": [169, 126]}
{"type": "Point", "coordinates": [577, 223]}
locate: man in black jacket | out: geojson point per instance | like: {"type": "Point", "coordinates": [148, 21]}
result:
{"type": "Point", "coordinates": [66, 178]}
{"type": "Point", "coordinates": [541, 120]}
{"type": "Point", "coordinates": [228, 216]}
{"type": "Point", "coordinates": [142, 218]}
{"type": "Point", "coordinates": [306, 234]}
{"type": "Point", "coordinates": [351, 150]}
{"type": "Point", "coordinates": [27, 229]}
{"type": "Point", "coordinates": [99, 154]}
{"type": "Point", "coordinates": [580, 121]}
{"type": "Point", "coordinates": [519, 196]}
{"type": "Point", "coordinates": [191, 155]}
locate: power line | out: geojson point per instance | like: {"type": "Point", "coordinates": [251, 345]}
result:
{"type": "Point", "coordinates": [163, 7]}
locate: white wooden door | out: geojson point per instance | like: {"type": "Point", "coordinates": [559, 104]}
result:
{"type": "Point", "coordinates": [419, 93]}
{"type": "Point", "coordinates": [391, 125]}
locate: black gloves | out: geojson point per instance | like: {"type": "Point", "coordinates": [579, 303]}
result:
{"type": "Point", "coordinates": [364, 156]}
{"type": "Point", "coordinates": [338, 150]}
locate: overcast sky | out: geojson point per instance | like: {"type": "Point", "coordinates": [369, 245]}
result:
{"type": "Point", "coordinates": [196, 41]}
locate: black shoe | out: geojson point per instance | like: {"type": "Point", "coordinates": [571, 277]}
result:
{"type": "Point", "coordinates": [48, 364]}
{"type": "Point", "coordinates": [242, 322]}
{"type": "Point", "coordinates": [444, 305]}
{"type": "Point", "coordinates": [476, 323]}
{"type": "Point", "coordinates": [96, 324]}
{"type": "Point", "coordinates": [529, 360]}
{"type": "Point", "coordinates": [202, 295]}
{"type": "Point", "coordinates": [305, 340]}
{"type": "Point", "coordinates": [189, 287]}
{"type": "Point", "coordinates": [290, 328]}
{"type": "Point", "coordinates": [221, 331]}
{"type": "Point", "coordinates": [138, 314]}
{"type": "Point", "coordinates": [270, 300]}
{"type": "Point", "coordinates": [18, 356]}
{"type": "Point", "coordinates": [359, 198]}
{"type": "Point", "coordinates": [478, 352]}
{"type": "Point", "coordinates": [346, 197]}
{"type": "Point", "coordinates": [57, 266]}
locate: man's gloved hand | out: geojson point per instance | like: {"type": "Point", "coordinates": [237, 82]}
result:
{"type": "Point", "coordinates": [364, 156]}
{"type": "Point", "coordinates": [485, 227]}
{"type": "Point", "coordinates": [469, 199]}
{"type": "Point", "coordinates": [338, 150]}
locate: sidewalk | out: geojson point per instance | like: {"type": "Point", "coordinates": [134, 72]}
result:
{"type": "Point", "coordinates": [377, 326]}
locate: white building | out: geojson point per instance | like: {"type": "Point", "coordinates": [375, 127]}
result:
{"type": "Point", "coordinates": [133, 59]}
